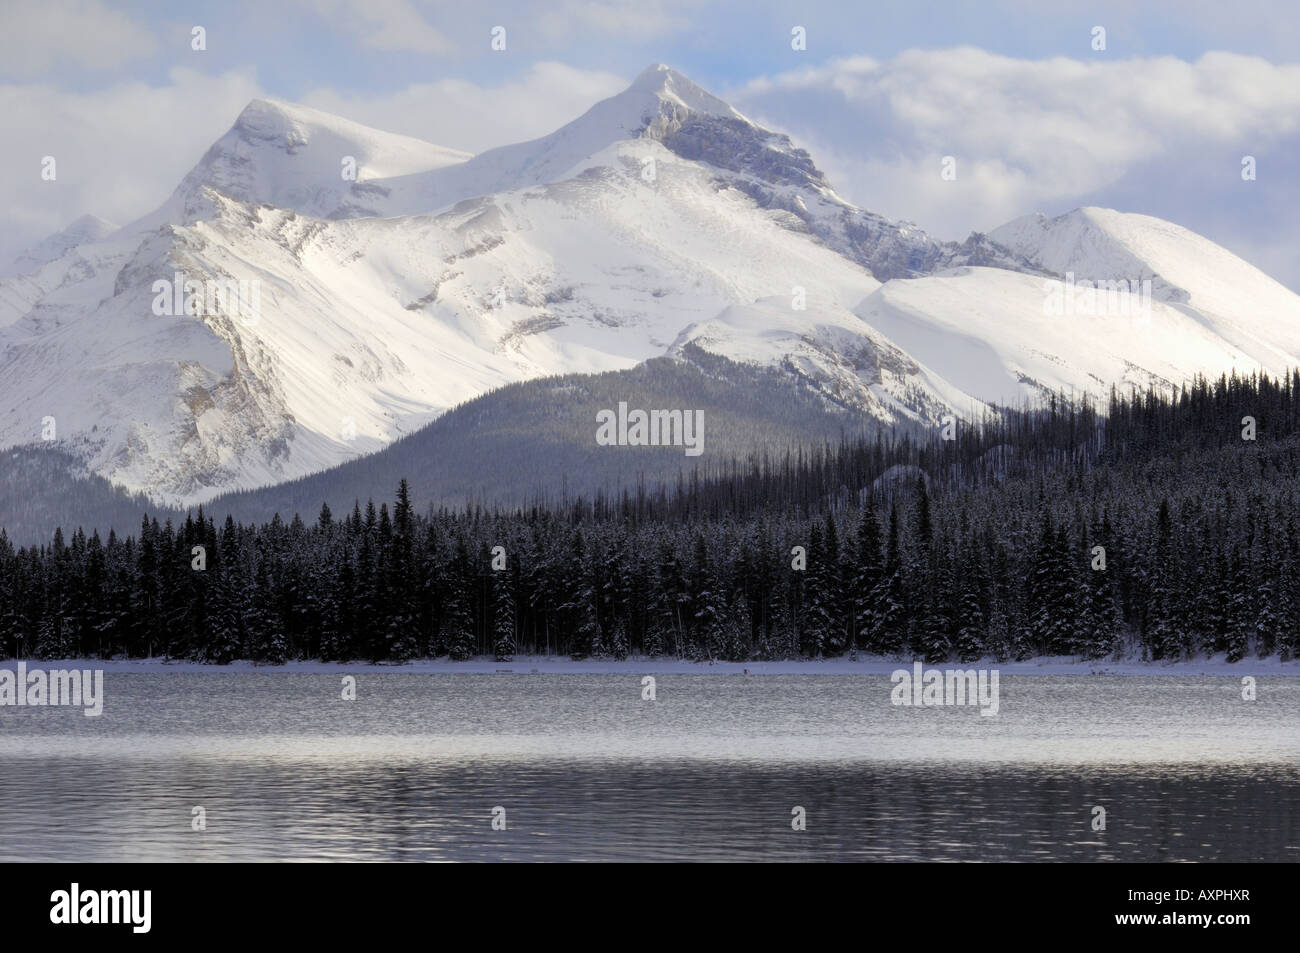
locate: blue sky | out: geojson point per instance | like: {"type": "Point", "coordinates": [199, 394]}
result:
{"type": "Point", "coordinates": [300, 45]}
{"type": "Point", "coordinates": [1157, 122]}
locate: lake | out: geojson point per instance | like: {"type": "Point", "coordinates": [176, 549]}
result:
{"type": "Point", "coordinates": [713, 769]}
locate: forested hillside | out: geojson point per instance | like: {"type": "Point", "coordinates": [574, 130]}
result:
{"type": "Point", "coordinates": [981, 545]}
{"type": "Point", "coordinates": [512, 446]}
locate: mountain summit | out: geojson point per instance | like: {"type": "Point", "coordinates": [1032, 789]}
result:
{"type": "Point", "coordinates": [293, 157]}
{"type": "Point", "coordinates": [667, 85]}
{"type": "Point", "coordinates": [659, 223]}
{"type": "Point", "coordinates": [660, 105]}
{"type": "Point", "coordinates": [86, 229]}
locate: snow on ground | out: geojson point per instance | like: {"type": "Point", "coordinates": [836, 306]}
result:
{"type": "Point", "coordinates": [591, 249]}
{"type": "Point", "coordinates": [1229, 297]}
{"type": "Point", "coordinates": [989, 333]}
{"type": "Point", "coordinates": [559, 665]}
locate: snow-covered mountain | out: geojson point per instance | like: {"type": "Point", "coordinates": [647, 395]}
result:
{"type": "Point", "coordinates": [660, 218]}
{"type": "Point", "coordinates": [663, 106]}
{"type": "Point", "coordinates": [1232, 299]}
{"type": "Point", "coordinates": [299, 159]}
{"type": "Point", "coordinates": [85, 230]}
{"type": "Point", "coordinates": [986, 332]}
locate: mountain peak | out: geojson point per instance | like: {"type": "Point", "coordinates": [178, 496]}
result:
{"type": "Point", "coordinates": [667, 85]}
{"type": "Point", "coordinates": [659, 104]}
{"type": "Point", "coordinates": [270, 119]}
{"type": "Point", "coordinates": [86, 229]}
{"type": "Point", "coordinates": [264, 115]}
{"type": "Point", "coordinates": [261, 105]}
{"type": "Point", "coordinates": [289, 155]}
{"type": "Point", "coordinates": [652, 75]}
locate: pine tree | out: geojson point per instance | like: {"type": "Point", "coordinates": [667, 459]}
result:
{"type": "Point", "coordinates": [618, 642]}
{"type": "Point", "coordinates": [579, 604]}
{"type": "Point", "coordinates": [1161, 627]}
{"type": "Point", "coordinates": [503, 591]}
{"type": "Point", "coordinates": [1241, 609]}
{"type": "Point", "coordinates": [1052, 613]}
{"type": "Point", "coordinates": [1270, 611]}
{"type": "Point", "coordinates": [457, 629]}
{"type": "Point", "coordinates": [935, 625]}
{"type": "Point", "coordinates": [10, 611]}
{"type": "Point", "coordinates": [818, 597]}
{"type": "Point", "coordinates": [918, 576]}
{"type": "Point", "coordinates": [1289, 594]}
{"type": "Point", "coordinates": [1101, 636]}
{"type": "Point", "coordinates": [867, 572]}
{"type": "Point", "coordinates": [886, 615]}
{"type": "Point", "coordinates": [708, 602]}
{"type": "Point", "coordinates": [835, 595]}
{"type": "Point", "coordinates": [970, 621]}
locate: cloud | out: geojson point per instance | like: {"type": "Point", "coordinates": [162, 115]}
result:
{"type": "Point", "coordinates": [392, 25]}
{"type": "Point", "coordinates": [1143, 27]}
{"type": "Point", "coordinates": [644, 19]}
{"type": "Point", "coordinates": [1157, 135]}
{"type": "Point", "coordinates": [472, 117]}
{"type": "Point", "coordinates": [462, 31]}
{"type": "Point", "coordinates": [119, 152]}
{"type": "Point", "coordinates": [35, 37]}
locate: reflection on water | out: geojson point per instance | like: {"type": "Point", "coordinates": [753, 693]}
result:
{"type": "Point", "coordinates": [586, 770]}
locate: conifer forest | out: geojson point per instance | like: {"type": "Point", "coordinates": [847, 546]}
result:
{"type": "Point", "coordinates": [1161, 527]}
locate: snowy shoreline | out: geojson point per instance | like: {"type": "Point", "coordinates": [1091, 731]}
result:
{"type": "Point", "coordinates": [556, 665]}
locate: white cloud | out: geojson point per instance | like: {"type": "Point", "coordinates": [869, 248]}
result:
{"type": "Point", "coordinates": [1157, 134]}
{"type": "Point", "coordinates": [462, 31]}
{"type": "Point", "coordinates": [640, 18]}
{"type": "Point", "coordinates": [472, 117]}
{"type": "Point", "coordinates": [119, 151]}
{"type": "Point", "coordinates": [37, 36]}
{"type": "Point", "coordinates": [394, 25]}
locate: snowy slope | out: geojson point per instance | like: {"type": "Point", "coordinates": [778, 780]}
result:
{"type": "Point", "coordinates": [664, 106]}
{"type": "Point", "coordinates": [652, 103]}
{"type": "Point", "coordinates": [292, 157]}
{"type": "Point", "coordinates": [380, 324]}
{"type": "Point", "coordinates": [81, 276]}
{"type": "Point", "coordinates": [834, 350]}
{"type": "Point", "coordinates": [88, 228]}
{"type": "Point", "coordinates": [68, 257]}
{"type": "Point", "coordinates": [1214, 287]}
{"type": "Point", "coordinates": [987, 332]}
{"type": "Point", "coordinates": [659, 218]}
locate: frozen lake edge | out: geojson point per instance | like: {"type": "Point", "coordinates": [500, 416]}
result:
{"type": "Point", "coordinates": [556, 665]}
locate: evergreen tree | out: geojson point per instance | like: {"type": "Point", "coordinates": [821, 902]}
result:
{"type": "Point", "coordinates": [970, 621]}
{"type": "Point", "coordinates": [1241, 609]}
{"type": "Point", "coordinates": [708, 603]}
{"type": "Point", "coordinates": [886, 615]}
{"type": "Point", "coordinates": [1161, 627]}
{"type": "Point", "coordinates": [867, 572]}
{"type": "Point", "coordinates": [819, 597]}
{"type": "Point", "coordinates": [457, 617]}
{"type": "Point", "coordinates": [503, 590]}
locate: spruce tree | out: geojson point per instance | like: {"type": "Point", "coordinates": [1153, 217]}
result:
{"type": "Point", "coordinates": [970, 622]}
{"type": "Point", "coordinates": [867, 571]}
{"type": "Point", "coordinates": [503, 590]}
{"type": "Point", "coordinates": [887, 614]}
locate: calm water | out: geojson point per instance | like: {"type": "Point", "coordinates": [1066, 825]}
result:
{"type": "Point", "coordinates": [711, 770]}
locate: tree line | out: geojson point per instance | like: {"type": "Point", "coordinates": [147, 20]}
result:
{"type": "Point", "coordinates": [1158, 529]}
